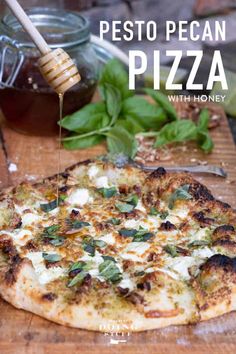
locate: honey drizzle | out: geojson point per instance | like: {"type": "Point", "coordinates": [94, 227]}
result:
{"type": "Point", "coordinates": [61, 97]}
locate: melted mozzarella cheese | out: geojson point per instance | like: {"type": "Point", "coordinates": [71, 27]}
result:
{"type": "Point", "coordinates": [180, 265]}
{"type": "Point", "coordinates": [79, 197]}
{"type": "Point", "coordinates": [108, 238]}
{"type": "Point", "coordinates": [20, 237]}
{"type": "Point", "coordinates": [102, 182]}
{"type": "Point", "coordinates": [44, 275]}
{"type": "Point", "coordinates": [135, 251]}
{"type": "Point", "coordinates": [204, 252]}
{"type": "Point", "coordinates": [201, 234]}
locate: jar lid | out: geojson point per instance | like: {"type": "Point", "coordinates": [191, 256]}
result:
{"type": "Point", "coordinates": [59, 28]}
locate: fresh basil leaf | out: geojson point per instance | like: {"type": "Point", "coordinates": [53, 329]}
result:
{"type": "Point", "coordinates": [130, 124]}
{"type": "Point", "coordinates": [172, 250]}
{"type": "Point", "coordinates": [181, 193]}
{"type": "Point", "coordinates": [107, 192]}
{"type": "Point", "coordinates": [203, 137]}
{"type": "Point", "coordinates": [203, 121]}
{"type": "Point", "coordinates": [89, 248]}
{"type": "Point", "coordinates": [132, 199]}
{"type": "Point", "coordinates": [109, 258]}
{"type": "Point", "coordinates": [77, 224]}
{"type": "Point", "coordinates": [113, 101]}
{"type": "Point", "coordinates": [57, 241]}
{"type": "Point", "coordinates": [51, 257]}
{"type": "Point", "coordinates": [147, 115]}
{"type": "Point", "coordinates": [114, 221]}
{"type": "Point", "coordinates": [77, 266]}
{"type": "Point", "coordinates": [115, 74]}
{"type": "Point", "coordinates": [153, 211]}
{"type": "Point", "coordinates": [142, 236]}
{"type": "Point", "coordinates": [91, 117]}
{"type": "Point", "coordinates": [100, 243]}
{"type": "Point", "coordinates": [176, 132]}
{"type": "Point", "coordinates": [124, 207]}
{"type": "Point", "coordinates": [82, 143]}
{"type": "Point", "coordinates": [163, 214]}
{"type": "Point", "coordinates": [78, 279]}
{"type": "Point", "coordinates": [128, 232]}
{"type": "Point", "coordinates": [51, 229]}
{"type": "Point", "coordinates": [109, 271]}
{"type": "Point", "coordinates": [49, 206]}
{"type": "Point", "coordinates": [163, 102]}
{"type": "Point", "coordinates": [119, 140]}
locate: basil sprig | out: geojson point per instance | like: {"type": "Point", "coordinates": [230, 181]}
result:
{"type": "Point", "coordinates": [121, 115]}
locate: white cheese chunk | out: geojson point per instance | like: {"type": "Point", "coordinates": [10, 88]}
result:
{"type": "Point", "coordinates": [79, 197]}
{"type": "Point", "coordinates": [126, 283]}
{"type": "Point", "coordinates": [102, 182]}
{"type": "Point", "coordinates": [29, 218]}
{"type": "Point", "coordinates": [44, 275]}
{"type": "Point", "coordinates": [93, 171]}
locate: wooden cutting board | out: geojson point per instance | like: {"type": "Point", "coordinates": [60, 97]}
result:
{"type": "Point", "coordinates": [22, 332]}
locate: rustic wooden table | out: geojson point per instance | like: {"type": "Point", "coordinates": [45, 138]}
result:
{"type": "Point", "coordinates": [22, 332]}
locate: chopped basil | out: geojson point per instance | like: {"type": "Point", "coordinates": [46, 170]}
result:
{"type": "Point", "coordinates": [89, 245]}
{"type": "Point", "coordinates": [51, 229]}
{"type": "Point", "coordinates": [78, 279]}
{"type": "Point", "coordinates": [107, 192]}
{"type": "Point", "coordinates": [127, 232]}
{"type": "Point", "coordinates": [77, 224]}
{"type": "Point", "coordinates": [172, 250]}
{"type": "Point", "coordinates": [132, 200]}
{"type": "Point", "coordinates": [109, 258]}
{"type": "Point", "coordinates": [76, 266]}
{"type": "Point", "coordinates": [140, 273]}
{"type": "Point", "coordinates": [51, 258]}
{"type": "Point", "coordinates": [100, 243]}
{"type": "Point", "coordinates": [114, 221]}
{"type": "Point", "coordinates": [163, 215]}
{"type": "Point", "coordinates": [124, 208]}
{"type": "Point", "coordinates": [153, 211]}
{"type": "Point", "coordinates": [140, 235]}
{"type": "Point", "coordinates": [47, 207]}
{"type": "Point", "coordinates": [181, 193]}
{"type": "Point", "coordinates": [80, 265]}
{"type": "Point", "coordinates": [109, 271]}
{"type": "Point", "coordinates": [50, 233]}
{"type": "Point", "coordinates": [57, 240]}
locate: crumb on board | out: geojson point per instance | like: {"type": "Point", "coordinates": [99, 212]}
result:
{"type": "Point", "coordinates": [12, 167]}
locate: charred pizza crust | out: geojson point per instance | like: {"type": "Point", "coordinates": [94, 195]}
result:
{"type": "Point", "coordinates": [125, 250]}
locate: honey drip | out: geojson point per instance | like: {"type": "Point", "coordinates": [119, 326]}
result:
{"type": "Point", "coordinates": [61, 97]}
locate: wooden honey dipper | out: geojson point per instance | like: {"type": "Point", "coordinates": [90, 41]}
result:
{"type": "Point", "coordinates": [56, 65]}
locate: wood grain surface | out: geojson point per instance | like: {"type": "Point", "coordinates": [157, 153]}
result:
{"type": "Point", "coordinates": [22, 332]}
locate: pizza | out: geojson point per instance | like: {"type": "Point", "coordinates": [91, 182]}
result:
{"type": "Point", "coordinates": [104, 246]}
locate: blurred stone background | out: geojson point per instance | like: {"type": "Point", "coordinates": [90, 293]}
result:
{"type": "Point", "coordinates": [160, 11]}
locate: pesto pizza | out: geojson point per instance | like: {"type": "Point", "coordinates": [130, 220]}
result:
{"type": "Point", "coordinates": [117, 245]}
